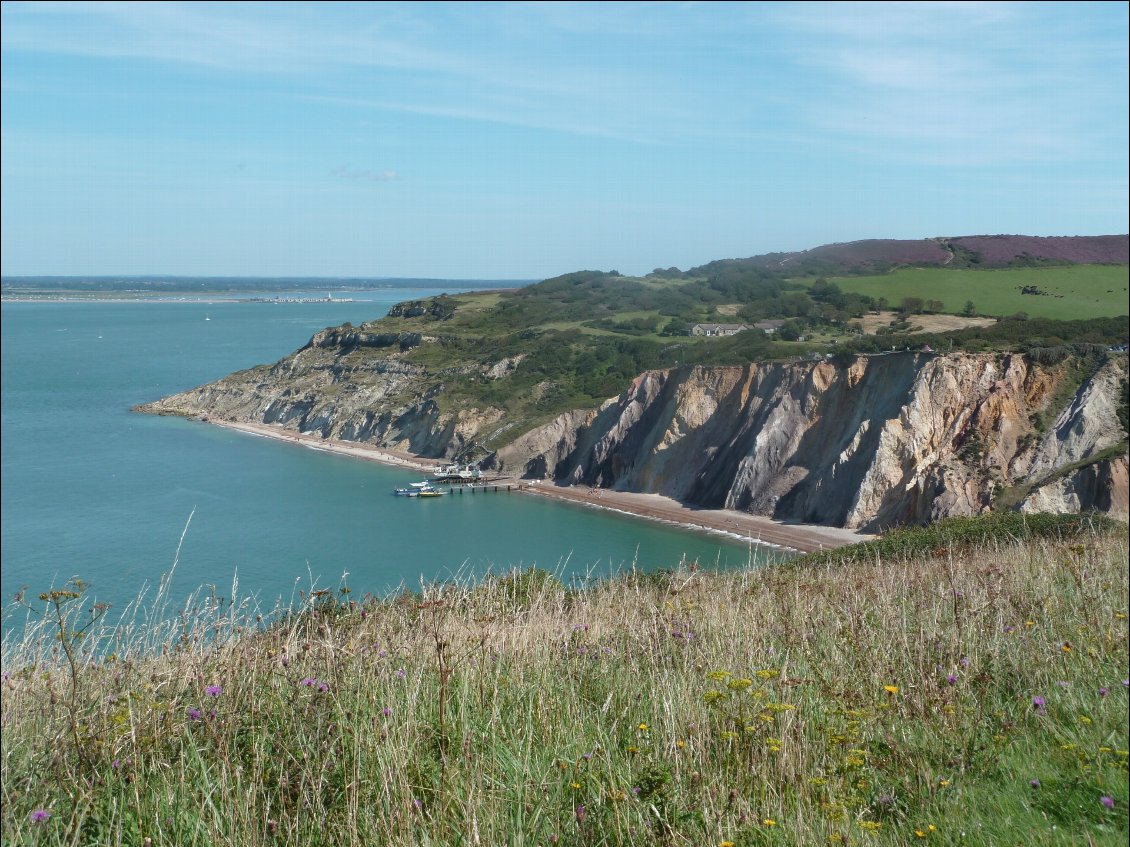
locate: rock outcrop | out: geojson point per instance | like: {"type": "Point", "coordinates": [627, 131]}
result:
{"type": "Point", "coordinates": [880, 441]}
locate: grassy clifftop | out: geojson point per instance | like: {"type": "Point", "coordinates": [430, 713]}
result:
{"type": "Point", "coordinates": [970, 691]}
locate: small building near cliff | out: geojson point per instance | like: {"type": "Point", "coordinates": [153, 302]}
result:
{"type": "Point", "coordinates": [717, 329]}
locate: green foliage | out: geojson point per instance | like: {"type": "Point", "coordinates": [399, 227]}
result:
{"type": "Point", "coordinates": [958, 534]}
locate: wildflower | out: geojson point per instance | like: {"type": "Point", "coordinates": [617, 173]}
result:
{"type": "Point", "coordinates": [725, 844]}
{"type": "Point", "coordinates": [642, 727]}
{"type": "Point", "coordinates": [1104, 691]}
{"type": "Point", "coordinates": [768, 822]}
{"type": "Point", "coordinates": [870, 826]}
{"type": "Point", "coordinates": [952, 679]}
{"type": "Point", "coordinates": [214, 690]}
{"type": "Point", "coordinates": [39, 816]}
{"type": "Point", "coordinates": [1039, 703]}
{"type": "Point", "coordinates": [1035, 783]}
{"type": "Point", "coordinates": [739, 684]}
{"type": "Point", "coordinates": [581, 815]}
{"type": "Point", "coordinates": [194, 714]}
{"type": "Point", "coordinates": [1065, 647]}
{"type": "Point", "coordinates": [719, 676]}
{"type": "Point", "coordinates": [386, 711]}
{"type": "Point", "coordinates": [965, 661]}
{"type": "Point", "coordinates": [768, 674]}
{"type": "Point", "coordinates": [1107, 801]}
{"type": "Point", "coordinates": [943, 782]}
{"type": "Point", "coordinates": [576, 786]}
{"type": "Point", "coordinates": [891, 689]}
{"type": "Point", "coordinates": [309, 682]}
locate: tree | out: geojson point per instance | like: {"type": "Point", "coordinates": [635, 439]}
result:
{"type": "Point", "coordinates": [970, 310]}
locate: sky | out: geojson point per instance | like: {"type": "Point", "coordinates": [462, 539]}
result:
{"type": "Point", "coordinates": [522, 141]}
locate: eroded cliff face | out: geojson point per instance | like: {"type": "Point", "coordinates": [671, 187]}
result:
{"type": "Point", "coordinates": [886, 440]}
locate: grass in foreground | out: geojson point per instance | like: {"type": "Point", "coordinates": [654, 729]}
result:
{"type": "Point", "coordinates": [976, 695]}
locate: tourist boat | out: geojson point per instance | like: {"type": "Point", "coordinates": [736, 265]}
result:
{"type": "Point", "coordinates": [414, 489]}
{"type": "Point", "coordinates": [457, 473]}
{"type": "Point", "coordinates": [430, 492]}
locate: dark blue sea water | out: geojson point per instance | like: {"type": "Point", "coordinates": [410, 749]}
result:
{"type": "Point", "coordinates": [93, 490]}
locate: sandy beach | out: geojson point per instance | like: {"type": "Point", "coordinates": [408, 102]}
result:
{"type": "Point", "coordinates": [804, 538]}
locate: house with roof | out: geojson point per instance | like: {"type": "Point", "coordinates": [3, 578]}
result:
{"type": "Point", "coordinates": [717, 329]}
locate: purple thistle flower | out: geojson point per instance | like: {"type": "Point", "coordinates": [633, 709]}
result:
{"type": "Point", "coordinates": [214, 690]}
{"type": "Point", "coordinates": [194, 714]}
{"type": "Point", "coordinates": [1039, 703]}
{"type": "Point", "coordinates": [1126, 683]}
{"type": "Point", "coordinates": [952, 679]}
{"type": "Point", "coordinates": [323, 686]}
{"type": "Point", "coordinates": [400, 674]}
{"type": "Point", "coordinates": [1107, 801]}
{"type": "Point", "coordinates": [1035, 783]}
{"type": "Point", "coordinates": [1104, 691]}
{"type": "Point", "coordinates": [309, 682]}
{"type": "Point", "coordinates": [386, 711]}
{"type": "Point", "coordinates": [965, 661]}
{"type": "Point", "coordinates": [117, 763]}
{"type": "Point", "coordinates": [581, 814]}
{"type": "Point", "coordinates": [39, 816]}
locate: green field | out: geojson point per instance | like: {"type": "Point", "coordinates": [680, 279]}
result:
{"type": "Point", "coordinates": [1073, 293]}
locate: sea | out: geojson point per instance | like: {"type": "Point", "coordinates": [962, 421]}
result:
{"type": "Point", "coordinates": [94, 491]}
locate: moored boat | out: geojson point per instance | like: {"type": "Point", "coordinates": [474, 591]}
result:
{"type": "Point", "coordinates": [457, 473]}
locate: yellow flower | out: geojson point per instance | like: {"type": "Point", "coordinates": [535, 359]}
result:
{"type": "Point", "coordinates": [768, 674]}
{"type": "Point", "coordinates": [891, 689]}
{"type": "Point", "coordinates": [943, 782]}
{"type": "Point", "coordinates": [719, 676]}
{"type": "Point", "coordinates": [725, 844]}
{"type": "Point", "coordinates": [768, 822]}
{"type": "Point", "coordinates": [739, 684]}
{"type": "Point", "coordinates": [870, 826]}
{"type": "Point", "coordinates": [680, 744]}
{"type": "Point", "coordinates": [575, 785]}
{"type": "Point", "coordinates": [642, 727]}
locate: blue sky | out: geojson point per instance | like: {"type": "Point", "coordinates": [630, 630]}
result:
{"type": "Point", "coordinates": [527, 140]}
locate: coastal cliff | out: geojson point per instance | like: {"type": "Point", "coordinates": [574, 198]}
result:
{"type": "Point", "coordinates": [871, 443]}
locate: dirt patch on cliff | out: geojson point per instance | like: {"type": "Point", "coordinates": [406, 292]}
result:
{"type": "Point", "coordinates": [872, 323]}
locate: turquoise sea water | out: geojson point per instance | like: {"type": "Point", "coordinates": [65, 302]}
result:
{"type": "Point", "coordinates": [93, 490]}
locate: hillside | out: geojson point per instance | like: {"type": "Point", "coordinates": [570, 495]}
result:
{"type": "Point", "coordinates": [885, 695]}
{"type": "Point", "coordinates": [979, 251]}
{"type": "Point", "coordinates": [519, 380]}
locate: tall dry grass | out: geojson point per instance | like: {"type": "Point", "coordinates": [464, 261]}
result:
{"type": "Point", "coordinates": [977, 696]}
